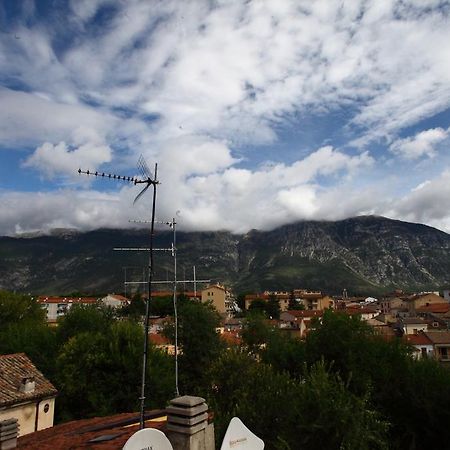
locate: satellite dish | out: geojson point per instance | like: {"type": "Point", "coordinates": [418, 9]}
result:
{"type": "Point", "coordinates": [238, 436]}
{"type": "Point", "coordinates": [148, 439]}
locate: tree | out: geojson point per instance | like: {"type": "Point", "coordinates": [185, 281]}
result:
{"type": "Point", "coordinates": [85, 318]}
{"type": "Point", "coordinates": [135, 309]}
{"type": "Point", "coordinates": [255, 332]}
{"type": "Point", "coordinates": [258, 305]}
{"type": "Point", "coordinates": [18, 307]}
{"type": "Point", "coordinates": [35, 339]}
{"type": "Point", "coordinates": [200, 344]}
{"type": "Point", "coordinates": [316, 412]}
{"type": "Point", "coordinates": [99, 373]}
{"type": "Point", "coordinates": [273, 307]}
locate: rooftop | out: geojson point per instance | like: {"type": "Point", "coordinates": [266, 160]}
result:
{"type": "Point", "coordinates": [99, 433]}
{"type": "Point", "coordinates": [438, 337]}
{"type": "Point", "coordinates": [13, 370]}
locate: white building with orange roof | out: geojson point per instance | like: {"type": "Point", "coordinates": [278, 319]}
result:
{"type": "Point", "coordinates": [57, 307]}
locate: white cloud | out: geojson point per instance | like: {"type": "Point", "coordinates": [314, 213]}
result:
{"type": "Point", "coordinates": [218, 196]}
{"type": "Point", "coordinates": [422, 144]}
{"type": "Point", "coordinates": [428, 204]}
{"type": "Point", "coordinates": [87, 151]}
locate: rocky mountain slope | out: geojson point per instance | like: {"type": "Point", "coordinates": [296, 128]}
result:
{"type": "Point", "coordinates": [364, 254]}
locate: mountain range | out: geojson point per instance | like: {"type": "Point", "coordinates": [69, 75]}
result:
{"type": "Point", "coordinates": [365, 255]}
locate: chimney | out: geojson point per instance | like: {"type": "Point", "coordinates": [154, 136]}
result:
{"type": "Point", "coordinates": [9, 430]}
{"type": "Point", "coordinates": [27, 385]}
{"type": "Point", "coordinates": [187, 424]}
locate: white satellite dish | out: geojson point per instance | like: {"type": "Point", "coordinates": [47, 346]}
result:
{"type": "Point", "coordinates": [238, 436]}
{"type": "Point", "coordinates": [148, 439]}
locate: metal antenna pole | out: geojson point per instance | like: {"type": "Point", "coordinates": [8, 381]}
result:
{"type": "Point", "coordinates": [174, 225]}
{"type": "Point", "coordinates": [148, 181]}
{"type": "Point", "coordinates": [147, 305]}
{"type": "Point", "coordinates": [195, 284]}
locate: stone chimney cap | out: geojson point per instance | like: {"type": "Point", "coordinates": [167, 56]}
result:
{"type": "Point", "coordinates": [187, 401]}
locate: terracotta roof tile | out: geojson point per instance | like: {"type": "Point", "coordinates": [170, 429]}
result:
{"type": "Point", "coordinates": [13, 369]}
{"type": "Point", "coordinates": [418, 339]}
{"type": "Point", "coordinates": [439, 337]}
{"type": "Point", "coordinates": [81, 434]}
{"type": "Point", "coordinates": [434, 308]}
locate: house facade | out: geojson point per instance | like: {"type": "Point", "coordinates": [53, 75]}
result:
{"type": "Point", "coordinates": [25, 394]}
{"type": "Point", "coordinates": [220, 298]}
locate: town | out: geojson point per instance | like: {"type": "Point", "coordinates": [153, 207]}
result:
{"type": "Point", "coordinates": [249, 325]}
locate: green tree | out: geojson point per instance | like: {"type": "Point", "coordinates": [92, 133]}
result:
{"type": "Point", "coordinates": [135, 309]}
{"type": "Point", "coordinates": [18, 307]}
{"type": "Point", "coordinates": [273, 307]}
{"type": "Point", "coordinates": [258, 305]}
{"type": "Point", "coordinates": [33, 338]}
{"type": "Point", "coordinates": [314, 413]}
{"type": "Point", "coordinates": [255, 332]}
{"type": "Point", "coordinates": [99, 373]}
{"type": "Point", "coordinates": [85, 318]}
{"type": "Point", "coordinates": [200, 344]}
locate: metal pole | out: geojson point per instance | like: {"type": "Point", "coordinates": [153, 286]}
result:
{"type": "Point", "coordinates": [195, 285]}
{"type": "Point", "coordinates": [177, 392]}
{"type": "Point", "coordinates": [147, 307]}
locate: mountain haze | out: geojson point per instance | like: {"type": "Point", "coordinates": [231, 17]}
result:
{"type": "Point", "coordinates": [365, 255]}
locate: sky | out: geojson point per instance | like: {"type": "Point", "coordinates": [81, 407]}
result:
{"type": "Point", "coordinates": [258, 113]}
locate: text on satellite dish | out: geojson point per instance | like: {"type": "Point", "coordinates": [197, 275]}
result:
{"type": "Point", "coordinates": [237, 442]}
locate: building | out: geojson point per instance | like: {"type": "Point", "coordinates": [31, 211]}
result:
{"type": "Point", "coordinates": [441, 345]}
{"type": "Point", "coordinates": [25, 394]}
{"type": "Point", "coordinates": [412, 325]}
{"type": "Point", "coordinates": [57, 307]}
{"type": "Point", "coordinates": [220, 298]}
{"type": "Point", "coordinates": [417, 301]}
{"type": "Point", "coordinates": [423, 346]}
{"type": "Point", "coordinates": [313, 299]}
{"type": "Point", "coordinates": [309, 299]}
{"type": "Point", "coordinates": [283, 299]}
{"type": "Point", "coordinates": [365, 312]}
{"type": "Point", "coordinates": [115, 301]}
{"type": "Point", "coordinates": [299, 322]}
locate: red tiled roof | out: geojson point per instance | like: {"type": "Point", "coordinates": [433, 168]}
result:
{"type": "Point", "coordinates": [306, 313]}
{"type": "Point", "coordinates": [79, 300]}
{"type": "Point", "coordinates": [158, 339]}
{"type": "Point", "coordinates": [418, 339]}
{"type": "Point", "coordinates": [366, 310]}
{"type": "Point", "coordinates": [13, 369]}
{"type": "Point", "coordinates": [80, 434]}
{"type": "Point", "coordinates": [119, 297]}
{"type": "Point", "coordinates": [231, 337]}
{"type": "Point", "coordinates": [434, 308]}
{"type": "Point", "coordinates": [438, 337]}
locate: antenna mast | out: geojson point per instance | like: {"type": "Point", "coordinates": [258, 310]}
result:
{"type": "Point", "coordinates": [148, 180]}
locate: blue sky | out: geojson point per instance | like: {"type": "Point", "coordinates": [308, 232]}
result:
{"type": "Point", "coordinates": [258, 113]}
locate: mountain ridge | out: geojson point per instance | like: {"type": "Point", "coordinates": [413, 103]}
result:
{"type": "Point", "coordinates": [365, 254]}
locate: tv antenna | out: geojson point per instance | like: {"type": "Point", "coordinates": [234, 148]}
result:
{"type": "Point", "coordinates": [173, 249]}
{"type": "Point", "coordinates": [148, 180]}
